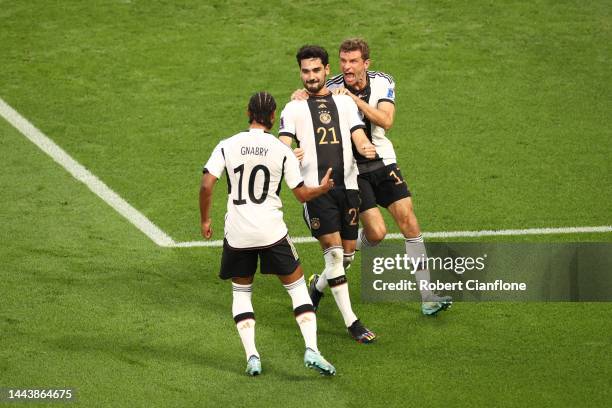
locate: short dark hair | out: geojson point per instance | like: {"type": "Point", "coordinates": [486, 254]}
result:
{"type": "Point", "coordinates": [312, 51]}
{"type": "Point", "coordinates": [356, 44]}
{"type": "Point", "coordinates": [261, 107]}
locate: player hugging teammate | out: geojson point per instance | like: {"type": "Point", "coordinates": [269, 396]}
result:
{"type": "Point", "coordinates": [339, 127]}
{"type": "Point", "coordinates": [380, 181]}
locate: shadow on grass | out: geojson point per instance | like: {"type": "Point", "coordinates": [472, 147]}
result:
{"type": "Point", "coordinates": [145, 355]}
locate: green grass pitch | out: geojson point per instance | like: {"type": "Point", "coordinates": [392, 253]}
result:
{"type": "Point", "coordinates": [504, 122]}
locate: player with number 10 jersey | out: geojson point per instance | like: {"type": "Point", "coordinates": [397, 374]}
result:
{"type": "Point", "coordinates": [256, 162]}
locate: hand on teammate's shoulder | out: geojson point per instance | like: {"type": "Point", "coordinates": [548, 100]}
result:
{"type": "Point", "coordinates": [299, 95]}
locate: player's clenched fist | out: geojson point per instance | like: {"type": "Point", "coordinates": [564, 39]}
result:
{"type": "Point", "coordinates": [207, 228]}
{"type": "Point", "coordinates": [369, 151]}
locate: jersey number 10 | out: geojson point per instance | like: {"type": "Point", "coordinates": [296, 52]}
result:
{"type": "Point", "coordinates": [266, 185]}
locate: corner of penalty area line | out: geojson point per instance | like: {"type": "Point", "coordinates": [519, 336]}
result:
{"type": "Point", "coordinates": [198, 244]}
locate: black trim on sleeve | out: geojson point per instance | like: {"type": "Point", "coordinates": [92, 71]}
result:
{"type": "Point", "coordinates": [299, 185]}
{"type": "Point", "coordinates": [354, 128]}
{"type": "Point", "coordinates": [244, 316]}
{"type": "Point", "coordinates": [205, 170]}
{"type": "Point", "coordinates": [386, 100]}
{"type": "Point", "coordinates": [280, 182]}
{"type": "Point", "coordinates": [291, 135]}
{"type": "Point", "coordinates": [229, 184]}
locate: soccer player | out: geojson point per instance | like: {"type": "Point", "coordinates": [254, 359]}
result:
{"type": "Point", "coordinates": [323, 126]}
{"type": "Point", "coordinates": [256, 162]}
{"type": "Point", "coordinates": [380, 180]}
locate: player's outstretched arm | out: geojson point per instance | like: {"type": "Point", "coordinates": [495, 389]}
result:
{"type": "Point", "coordinates": [303, 193]}
{"type": "Point", "coordinates": [382, 115]}
{"type": "Point", "coordinates": [206, 193]}
{"type": "Point", "coordinates": [363, 144]}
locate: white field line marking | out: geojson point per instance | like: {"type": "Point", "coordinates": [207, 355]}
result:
{"type": "Point", "coordinates": [162, 239]}
{"type": "Point", "coordinates": [80, 173]}
{"type": "Point", "coordinates": [442, 234]}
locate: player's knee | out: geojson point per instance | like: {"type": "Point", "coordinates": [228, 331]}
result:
{"type": "Point", "coordinates": [333, 255]}
{"type": "Point", "coordinates": [409, 226]}
{"type": "Point", "coordinates": [333, 262]}
{"type": "Point", "coordinates": [376, 234]}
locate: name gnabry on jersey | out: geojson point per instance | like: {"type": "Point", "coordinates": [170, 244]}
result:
{"type": "Point", "coordinates": [256, 150]}
{"type": "Point", "coordinates": [254, 175]}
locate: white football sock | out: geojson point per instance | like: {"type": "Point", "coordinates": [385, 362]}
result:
{"type": "Point", "coordinates": [322, 282]}
{"type": "Point", "coordinates": [244, 317]}
{"type": "Point", "coordinates": [334, 273]}
{"type": "Point", "coordinates": [415, 249]}
{"type": "Point", "coordinates": [304, 312]}
{"type": "Point", "coordinates": [346, 262]}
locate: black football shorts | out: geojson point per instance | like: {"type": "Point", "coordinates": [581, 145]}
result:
{"type": "Point", "coordinates": [382, 187]}
{"type": "Point", "coordinates": [280, 258]}
{"type": "Point", "coordinates": [335, 211]}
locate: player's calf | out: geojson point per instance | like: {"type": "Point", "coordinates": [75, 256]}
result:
{"type": "Point", "coordinates": [313, 291]}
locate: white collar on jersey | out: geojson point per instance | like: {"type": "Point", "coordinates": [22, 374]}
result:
{"type": "Point", "coordinates": [257, 130]}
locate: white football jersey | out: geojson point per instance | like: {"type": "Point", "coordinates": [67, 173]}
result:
{"type": "Point", "coordinates": [322, 126]}
{"type": "Point", "coordinates": [380, 88]}
{"type": "Point", "coordinates": [256, 162]}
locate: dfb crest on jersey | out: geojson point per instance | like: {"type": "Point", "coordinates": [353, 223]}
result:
{"type": "Point", "coordinates": [325, 118]}
{"type": "Point", "coordinates": [315, 223]}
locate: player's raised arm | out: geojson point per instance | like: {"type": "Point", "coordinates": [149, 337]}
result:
{"type": "Point", "coordinates": [206, 193]}
{"type": "Point", "coordinates": [382, 115]}
{"type": "Point", "coordinates": [304, 193]}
